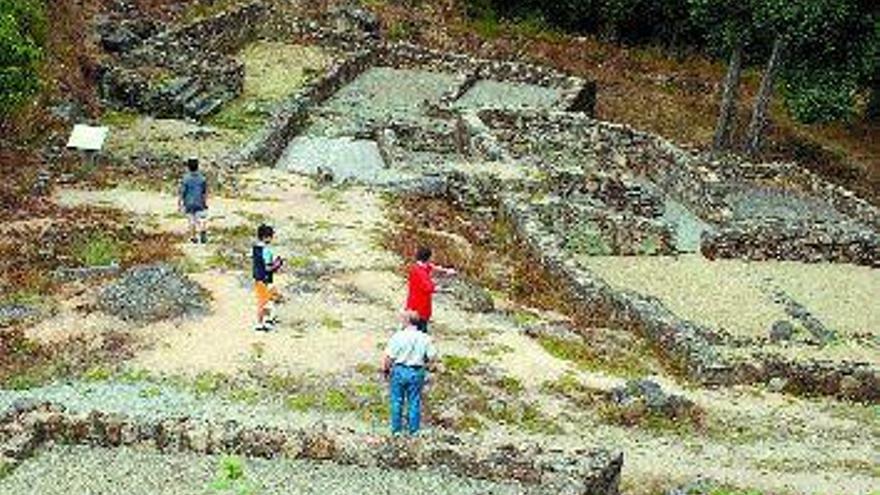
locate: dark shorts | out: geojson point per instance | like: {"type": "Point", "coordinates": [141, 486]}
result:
{"type": "Point", "coordinates": [422, 325]}
{"type": "Point", "coordinates": [194, 210]}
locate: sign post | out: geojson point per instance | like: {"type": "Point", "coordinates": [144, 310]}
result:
{"type": "Point", "coordinates": [88, 139]}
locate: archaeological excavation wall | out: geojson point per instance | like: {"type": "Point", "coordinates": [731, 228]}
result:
{"type": "Point", "coordinates": [27, 426]}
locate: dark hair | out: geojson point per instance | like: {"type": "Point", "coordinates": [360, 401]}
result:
{"type": "Point", "coordinates": [264, 232]}
{"type": "Point", "coordinates": [192, 164]}
{"type": "Point", "coordinates": [423, 254]}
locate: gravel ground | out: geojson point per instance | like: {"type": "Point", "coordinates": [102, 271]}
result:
{"type": "Point", "coordinates": [714, 293]}
{"type": "Point", "coordinates": [503, 95]}
{"type": "Point", "coordinates": [152, 402]}
{"type": "Point", "coordinates": [66, 470]}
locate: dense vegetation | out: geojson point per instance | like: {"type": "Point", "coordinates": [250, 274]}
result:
{"type": "Point", "coordinates": [831, 47]}
{"type": "Point", "coordinates": [22, 35]}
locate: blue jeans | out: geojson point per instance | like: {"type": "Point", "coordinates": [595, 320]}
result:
{"type": "Point", "coordinates": [406, 386]}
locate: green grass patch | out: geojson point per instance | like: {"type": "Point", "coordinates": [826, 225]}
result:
{"type": "Point", "coordinates": [98, 250]}
{"type": "Point", "coordinates": [458, 364]}
{"type": "Point", "coordinates": [209, 383]}
{"type": "Point", "coordinates": [231, 478]}
{"type": "Point", "coordinates": [510, 385]}
{"type": "Point", "coordinates": [150, 392]}
{"type": "Point", "coordinates": [331, 323]}
{"type": "Point", "coordinates": [133, 376]}
{"type": "Point", "coordinates": [240, 115]}
{"type": "Point", "coordinates": [302, 402]}
{"type": "Point", "coordinates": [367, 369]}
{"type": "Point", "coordinates": [248, 396]}
{"type": "Point", "coordinates": [120, 118]}
{"type": "Point", "coordinates": [581, 354]}
{"type": "Point", "coordinates": [97, 373]}
{"type": "Point", "coordinates": [338, 401]}
{"type": "Point", "coordinates": [588, 239]}
{"type": "Point", "coordinates": [524, 318]}
{"type": "Point", "coordinates": [568, 350]}
{"type": "Point", "coordinates": [497, 350]}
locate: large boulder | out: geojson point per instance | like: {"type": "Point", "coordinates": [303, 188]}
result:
{"type": "Point", "coordinates": [152, 292]}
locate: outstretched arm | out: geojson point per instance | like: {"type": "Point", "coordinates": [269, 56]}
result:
{"type": "Point", "coordinates": [447, 271]}
{"type": "Point", "coordinates": [386, 365]}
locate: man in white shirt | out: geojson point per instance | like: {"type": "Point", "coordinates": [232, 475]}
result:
{"type": "Point", "coordinates": [408, 354]}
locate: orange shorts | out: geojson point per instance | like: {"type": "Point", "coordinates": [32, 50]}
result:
{"type": "Point", "coordinates": [264, 294]}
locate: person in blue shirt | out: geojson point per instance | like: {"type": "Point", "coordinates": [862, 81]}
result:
{"type": "Point", "coordinates": [193, 200]}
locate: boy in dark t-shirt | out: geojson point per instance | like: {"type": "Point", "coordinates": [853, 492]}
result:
{"type": "Point", "coordinates": [193, 200]}
{"type": "Point", "coordinates": [265, 265]}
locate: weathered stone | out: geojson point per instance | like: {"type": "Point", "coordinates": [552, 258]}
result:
{"type": "Point", "coordinates": [777, 384]}
{"type": "Point", "coordinates": [470, 296]}
{"type": "Point", "coordinates": [15, 313]}
{"type": "Point", "coordinates": [196, 437]}
{"type": "Point", "coordinates": [20, 446]}
{"type": "Point", "coordinates": [781, 331]}
{"type": "Point", "coordinates": [318, 445]}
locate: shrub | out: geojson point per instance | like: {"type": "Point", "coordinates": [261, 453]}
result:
{"type": "Point", "coordinates": [820, 99]}
{"type": "Point", "coordinates": [22, 34]}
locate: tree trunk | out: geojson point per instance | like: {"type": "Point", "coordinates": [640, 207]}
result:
{"type": "Point", "coordinates": [762, 101]}
{"type": "Point", "coordinates": [728, 100]}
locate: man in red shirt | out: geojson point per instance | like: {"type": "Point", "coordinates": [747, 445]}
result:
{"type": "Point", "coordinates": [421, 286]}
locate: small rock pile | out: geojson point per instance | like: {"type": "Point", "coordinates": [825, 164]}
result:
{"type": "Point", "coordinates": [643, 399]}
{"type": "Point", "coordinates": [152, 292]}
{"type": "Point", "coordinates": [13, 313]}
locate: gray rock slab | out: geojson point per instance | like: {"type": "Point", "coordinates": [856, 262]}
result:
{"type": "Point", "coordinates": [509, 96]}
{"type": "Point", "coordinates": [688, 227]}
{"type": "Point", "coordinates": [345, 158]}
{"type": "Point", "coordinates": [760, 202]}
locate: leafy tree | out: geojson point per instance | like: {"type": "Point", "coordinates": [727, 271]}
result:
{"type": "Point", "coordinates": [830, 43]}
{"type": "Point", "coordinates": [22, 33]}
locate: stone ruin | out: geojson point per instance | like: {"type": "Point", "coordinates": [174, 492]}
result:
{"type": "Point", "coordinates": [28, 426]}
{"type": "Point", "coordinates": [520, 141]}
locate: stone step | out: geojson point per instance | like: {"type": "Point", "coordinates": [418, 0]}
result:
{"type": "Point", "coordinates": [204, 104]}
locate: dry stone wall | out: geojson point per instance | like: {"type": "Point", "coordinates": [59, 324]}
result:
{"type": "Point", "coordinates": [196, 76]}
{"type": "Point", "coordinates": [291, 117]}
{"type": "Point", "coordinates": [704, 186]}
{"type": "Point", "coordinates": [28, 425]}
{"type": "Point", "coordinates": [785, 240]}
{"type": "Point", "coordinates": [578, 95]}
{"type": "Point", "coordinates": [689, 347]}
